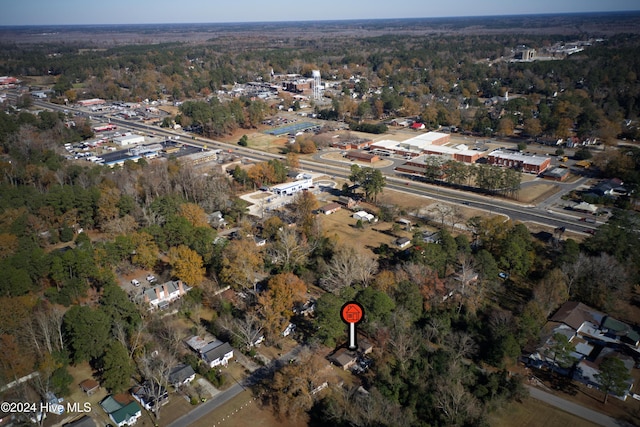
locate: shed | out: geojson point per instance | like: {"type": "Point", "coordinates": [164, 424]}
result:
{"type": "Point", "coordinates": [363, 216]}
{"type": "Point", "coordinates": [344, 358]}
{"type": "Point", "coordinates": [364, 345]}
{"type": "Point", "coordinates": [330, 208]}
{"type": "Point", "coordinates": [89, 386]}
{"type": "Point", "coordinates": [403, 242]}
{"type": "Point", "coordinates": [348, 202]}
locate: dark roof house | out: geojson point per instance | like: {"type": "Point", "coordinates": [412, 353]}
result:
{"type": "Point", "coordinates": [344, 358]}
{"type": "Point", "coordinates": [219, 355]}
{"type": "Point", "coordinates": [616, 329]}
{"type": "Point", "coordinates": [150, 394]}
{"type": "Point", "coordinates": [574, 314]}
{"type": "Point", "coordinates": [181, 375]}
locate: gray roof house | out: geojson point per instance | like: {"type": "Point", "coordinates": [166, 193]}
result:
{"type": "Point", "coordinates": [181, 375]}
{"type": "Point", "coordinates": [219, 355]}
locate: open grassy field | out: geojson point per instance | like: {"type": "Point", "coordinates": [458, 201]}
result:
{"type": "Point", "coordinates": [243, 410]}
{"type": "Point", "coordinates": [342, 225]}
{"type": "Point", "coordinates": [533, 413]}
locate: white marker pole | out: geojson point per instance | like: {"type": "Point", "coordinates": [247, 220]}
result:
{"type": "Point", "coordinates": [352, 336]}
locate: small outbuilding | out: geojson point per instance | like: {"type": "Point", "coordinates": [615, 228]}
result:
{"type": "Point", "coordinates": [344, 358]}
{"type": "Point", "coordinates": [403, 242]}
{"type": "Point", "coordinates": [89, 386]}
{"type": "Point", "coordinates": [330, 208]}
{"type": "Point", "coordinates": [363, 216]}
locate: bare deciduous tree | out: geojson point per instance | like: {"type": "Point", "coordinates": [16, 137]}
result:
{"type": "Point", "coordinates": [289, 250]}
{"type": "Point", "coordinates": [168, 334]}
{"type": "Point", "coordinates": [132, 340]}
{"type": "Point", "coordinates": [347, 267]}
{"type": "Point", "coordinates": [469, 289]}
{"type": "Point", "coordinates": [599, 281]}
{"type": "Point", "coordinates": [457, 404]}
{"type": "Point", "coordinates": [462, 345]}
{"type": "Point", "coordinates": [155, 367]}
{"type": "Point", "coordinates": [247, 329]}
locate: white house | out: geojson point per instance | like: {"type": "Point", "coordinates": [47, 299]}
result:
{"type": "Point", "coordinates": [219, 355]}
{"type": "Point", "coordinates": [161, 296]}
{"type": "Point", "coordinates": [214, 352]}
{"type": "Point", "coordinates": [150, 395]}
{"type": "Point", "coordinates": [120, 412]}
{"type": "Point", "coordinates": [181, 375]}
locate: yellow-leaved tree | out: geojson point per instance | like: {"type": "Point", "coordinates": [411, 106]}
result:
{"type": "Point", "coordinates": [194, 214]}
{"type": "Point", "coordinates": [187, 265]}
{"type": "Point", "coordinates": [146, 254]}
{"type": "Point", "coordinates": [276, 303]}
{"type": "Point", "coordinates": [242, 264]}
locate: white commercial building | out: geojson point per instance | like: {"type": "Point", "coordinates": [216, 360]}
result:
{"type": "Point", "coordinates": [129, 140]}
{"type": "Point", "coordinates": [289, 188]}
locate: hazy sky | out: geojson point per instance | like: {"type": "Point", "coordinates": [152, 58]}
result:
{"type": "Point", "coordinates": [45, 12]}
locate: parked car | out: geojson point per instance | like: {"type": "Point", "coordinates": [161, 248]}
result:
{"type": "Point", "coordinates": [151, 278]}
{"type": "Point", "coordinates": [135, 282]}
{"type": "Point", "coordinates": [503, 275]}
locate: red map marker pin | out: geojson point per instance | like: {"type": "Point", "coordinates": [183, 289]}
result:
{"type": "Point", "coordinates": [352, 313]}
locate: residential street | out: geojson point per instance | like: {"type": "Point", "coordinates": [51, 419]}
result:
{"type": "Point", "coordinates": [574, 408]}
{"type": "Point", "coordinates": [228, 394]}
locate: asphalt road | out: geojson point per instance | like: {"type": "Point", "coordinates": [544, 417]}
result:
{"type": "Point", "coordinates": [515, 211]}
{"type": "Point", "coordinates": [207, 407]}
{"type": "Point", "coordinates": [224, 396]}
{"type": "Point", "coordinates": [575, 409]}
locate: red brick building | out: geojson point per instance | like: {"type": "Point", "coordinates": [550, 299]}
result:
{"type": "Point", "coordinates": [529, 164]}
{"type": "Point", "coordinates": [362, 157]}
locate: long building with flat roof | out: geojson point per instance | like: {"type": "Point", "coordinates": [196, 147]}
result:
{"type": "Point", "coordinates": [528, 163]}
{"type": "Point", "coordinates": [424, 144]}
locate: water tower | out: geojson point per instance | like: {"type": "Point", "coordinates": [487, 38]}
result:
{"type": "Point", "coordinates": [316, 84]}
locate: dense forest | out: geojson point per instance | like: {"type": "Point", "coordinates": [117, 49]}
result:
{"type": "Point", "coordinates": [438, 312]}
